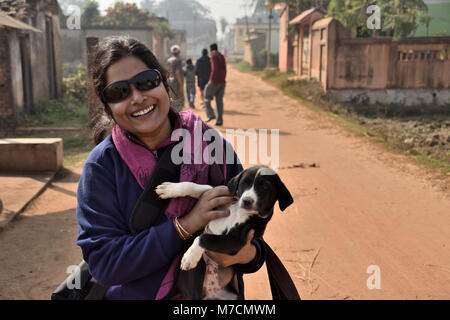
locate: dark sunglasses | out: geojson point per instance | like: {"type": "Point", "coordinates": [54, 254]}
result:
{"type": "Point", "coordinates": [143, 81]}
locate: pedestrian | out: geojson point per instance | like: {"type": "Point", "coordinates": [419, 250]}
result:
{"type": "Point", "coordinates": [175, 79]}
{"type": "Point", "coordinates": [189, 74]}
{"type": "Point", "coordinates": [203, 71]}
{"type": "Point", "coordinates": [216, 85]}
{"type": "Point", "coordinates": [134, 91]}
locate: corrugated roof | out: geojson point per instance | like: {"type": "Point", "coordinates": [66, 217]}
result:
{"type": "Point", "coordinates": [298, 19]}
{"type": "Point", "coordinates": [8, 21]}
{"type": "Point", "coordinates": [322, 23]}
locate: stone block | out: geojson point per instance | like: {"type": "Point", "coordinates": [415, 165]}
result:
{"type": "Point", "coordinates": [31, 154]}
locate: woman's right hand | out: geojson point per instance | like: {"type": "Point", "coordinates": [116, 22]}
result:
{"type": "Point", "coordinates": [204, 210]}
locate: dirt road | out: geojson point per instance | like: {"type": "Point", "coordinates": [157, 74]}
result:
{"type": "Point", "coordinates": [362, 207]}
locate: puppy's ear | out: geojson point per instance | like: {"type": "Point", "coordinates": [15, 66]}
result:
{"type": "Point", "coordinates": [284, 196]}
{"type": "Point", "coordinates": [233, 184]}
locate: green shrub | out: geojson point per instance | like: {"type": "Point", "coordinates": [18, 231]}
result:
{"type": "Point", "coordinates": [261, 59]}
{"type": "Point", "coordinates": [76, 84]}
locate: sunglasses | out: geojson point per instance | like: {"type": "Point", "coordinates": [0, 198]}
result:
{"type": "Point", "coordinates": [143, 81]}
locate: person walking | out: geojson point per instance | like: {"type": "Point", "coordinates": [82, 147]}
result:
{"type": "Point", "coordinates": [216, 85]}
{"type": "Point", "coordinates": [203, 71]}
{"type": "Point", "coordinates": [189, 74]}
{"type": "Point", "coordinates": [175, 69]}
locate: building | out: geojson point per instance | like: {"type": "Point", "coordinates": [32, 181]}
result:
{"type": "Point", "coordinates": [256, 23]}
{"type": "Point", "coordinates": [74, 40]}
{"type": "Point", "coordinates": [30, 57]}
{"type": "Point", "coordinates": [370, 70]}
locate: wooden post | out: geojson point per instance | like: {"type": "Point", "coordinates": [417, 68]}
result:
{"type": "Point", "coordinates": [94, 101]}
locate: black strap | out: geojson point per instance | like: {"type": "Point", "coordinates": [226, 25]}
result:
{"type": "Point", "coordinates": [149, 209]}
{"type": "Point", "coordinates": [281, 284]}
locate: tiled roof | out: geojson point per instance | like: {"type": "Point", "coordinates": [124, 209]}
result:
{"type": "Point", "coordinates": [14, 8]}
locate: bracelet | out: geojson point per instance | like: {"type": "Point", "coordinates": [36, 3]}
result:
{"type": "Point", "coordinates": [185, 235]}
{"type": "Point", "coordinates": [183, 229]}
{"type": "Point", "coordinates": [180, 234]}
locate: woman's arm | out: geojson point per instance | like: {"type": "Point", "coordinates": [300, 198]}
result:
{"type": "Point", "coordinates": [113, 254]}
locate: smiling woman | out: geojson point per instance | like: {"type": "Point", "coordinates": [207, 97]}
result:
{"type": "Point", "coordinates": [133, 88]}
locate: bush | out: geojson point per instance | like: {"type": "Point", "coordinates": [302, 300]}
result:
{"type": "Point", "coordinates": [75, 84]}
{"type": "Point", "coordinates": [261, 59]}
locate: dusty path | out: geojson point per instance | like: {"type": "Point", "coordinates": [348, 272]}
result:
{"type": "Point", "coordinates": [363, 206]}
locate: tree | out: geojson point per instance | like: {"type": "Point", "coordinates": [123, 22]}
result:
{"type": "Point", "coordinates": [301, 5]}
{"type": "Point", "coordinates": [399, 18]}
{"type": "Point", "coordinates": [223, 24]}
{"type": "Point", "coordinates": [90, 15]}
{"type": "Point", "coordinates": [125, 14]}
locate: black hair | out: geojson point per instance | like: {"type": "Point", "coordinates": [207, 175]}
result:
{"type": "Point", "coordinates": [189, 61]}
{"type": "Point", "coordinates": [205, 52]}
{"type": "Point", "coordinates": [213, 47]}
{"type": "Point", "coordinates": [109, 51]}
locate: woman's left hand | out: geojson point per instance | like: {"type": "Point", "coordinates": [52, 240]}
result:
{"type": "Point", "coordinates": [244, 256]}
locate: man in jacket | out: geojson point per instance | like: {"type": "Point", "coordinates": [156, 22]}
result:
{"type": "Point", "coordinates": [216, 85]}
{"type": "Point", "coordinates": [203, 71]}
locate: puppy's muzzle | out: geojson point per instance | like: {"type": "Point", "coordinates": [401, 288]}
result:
{"type": "Point", "coordinates": [247, 203]}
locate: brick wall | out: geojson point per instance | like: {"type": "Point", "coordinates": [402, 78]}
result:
{"type": "Point", "coordinates": [6, 103]}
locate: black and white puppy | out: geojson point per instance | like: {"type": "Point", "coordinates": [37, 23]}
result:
{"type": "Point", "coordinates": [256, 190]}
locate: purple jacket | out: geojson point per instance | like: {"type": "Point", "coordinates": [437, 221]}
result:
{"type": "Point", "coordinates": [134, 267]}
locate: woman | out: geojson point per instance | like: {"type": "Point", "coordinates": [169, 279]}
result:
{"type": "Point", "coordinates": [133, 88]}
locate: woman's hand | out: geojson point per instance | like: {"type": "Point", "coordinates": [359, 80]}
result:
{"type": "Point", "coordinates": [203, 211]}
{"type": "Point", "coordinates": [244, 256]}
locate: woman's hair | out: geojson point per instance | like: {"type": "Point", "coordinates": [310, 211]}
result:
{"type": "Point", "coordinates": [109, 51]}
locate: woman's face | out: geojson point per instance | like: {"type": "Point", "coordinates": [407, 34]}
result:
{"type": "Point", "coordinates": [128, 113]}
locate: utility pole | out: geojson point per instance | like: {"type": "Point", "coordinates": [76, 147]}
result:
{"type": "Point", "coordinates": [195, 32]}
{"type": "Point", "coordinates": [246, 22]}
{"type": "Point", "coordinates": [269, 38]}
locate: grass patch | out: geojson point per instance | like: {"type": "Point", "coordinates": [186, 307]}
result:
{"type": "Point", "coordinates": [422, 133]}
{"type": "Point", "coordinates": [59, 113]}
{"type": "Point", "coordinates": [62, 113]}
{"type": "Point", "coordinates": [243, 66]}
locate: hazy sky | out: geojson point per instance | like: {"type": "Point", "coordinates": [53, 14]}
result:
{"type": "Point", "coordinates": [230, 9]}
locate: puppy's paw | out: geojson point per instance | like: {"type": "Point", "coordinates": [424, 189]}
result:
{"type": "Point", "coordinates": [188, 262]}
{"type": "Point", "coordinates": [167, 190]}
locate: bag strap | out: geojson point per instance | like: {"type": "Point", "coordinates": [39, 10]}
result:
{"type": "Point", "coordinates": [149, 209]}
{"type": "Point", "coordinates": [281, 284]}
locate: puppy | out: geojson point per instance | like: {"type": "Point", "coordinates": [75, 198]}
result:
{"type": "Point", "coordinates": [256, 190]}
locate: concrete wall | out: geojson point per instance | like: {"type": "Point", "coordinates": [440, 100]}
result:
{"type": "Point", "coordinates": [403, 97]}
{"type": "Point", "coordinates": [341, 62]}
{"type": "Point", "coordinates": [285, 46]}
{"type": "Point", "coordinates": [16, 73]}
{"type": "Point", "coordinates": [74, 41]}
{"type": "Point", "coordinates": [41, 154]}
{"type": "Point", "coordinates": [240, 36]}
{"type": "Point", "coordinates": [252, 47]}
{"type": "Point", "coordinates": [6, 108]}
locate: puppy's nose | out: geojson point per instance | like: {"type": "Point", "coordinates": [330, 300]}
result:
{"type": "Point", "coordinates": [247, 202]}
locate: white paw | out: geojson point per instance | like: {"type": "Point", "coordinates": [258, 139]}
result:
{"type": "Point", "coordinates": [189, 261]}
{"type": "Point", "coordinates": [167, 190]}
{"type": "Point", "coordinates": [192, 256]}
